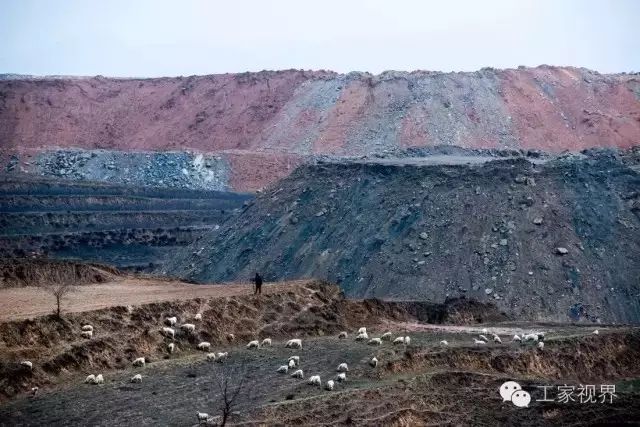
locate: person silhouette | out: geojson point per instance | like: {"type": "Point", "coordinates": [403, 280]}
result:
{"type": "Point", "coordinates": [258, 282]}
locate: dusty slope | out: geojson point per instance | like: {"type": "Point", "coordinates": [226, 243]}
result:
{"type": "Point", "coordinates": [488, 231]}
{"type": "Point", "coordinates": [261, 123]}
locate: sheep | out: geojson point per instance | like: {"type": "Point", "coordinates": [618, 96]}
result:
{"type": "Point", "coordinates": [516, 338]}
{"type": "Point", "coordinates": [87, 328]}
{"type": "Point", "coordinates": [34, 391]}
{"type": "Point", "coordinates": [221, 356]}
{"type": "Point", "coordinates": [485, 331]}
{"type": "Point", "coordinates": [341, 377]}
{"type": "Point", "coordinates": [386, 336]}
{"type": "Point", "coordinates": [295, 343]}
{"type": "Point", "coordinates": [496, 339]}
{"type": "Point", "coordinates": [530, 337]}
{"type": "Point", "coordinates": [329, 385]}
{"type": "Point", "coordinates": [375, 341]}
{"type": "Point", "coordinates": [169, 332]}
{"type": "Point", "coordinates": [231, 337]}
{"type": "Point", "coordinates": [253, 344]}
{"type": "Point", "coordinates": [99, 379]}
{"type": "Point", "coordinates": [91, 379]}
{"type": "Point", "coordinates": [283, 369]}
{"type": "Point", "coordinates": [197, 317]}
{"type": "Point", "coordinates": [86, 334]}
{"type": "Point", "coordinates": [342, 335]}
{"type": "Point", "coordinates": [137, 378]}
{"type": "Point", "coordinates": [140, 361]}
{"type": "Point", "coordinates": [298, 374]}
{"type": "Point", "coordinates": [444, 343]}
{"type": "Point", "coordinates": [343, 367]}
{"type": "Point", "coordinates": [596, 332]}
{"type": "Point", "coordinates": [189, 327]}
{"type": "Point", "coordinates": [171, 347]}
{"type": "Point", "coordinates": [171, 321]}
{"type": "Point", "coordinates": [266, 342]}
{"type": "Point", "coordinates": [362, 337]}
{"type": "Point", "coordinates": [296, 359]}
{"type": "Point", "coordinates": [399, 340]}
{"type": "Point", "coordinates": [484, 338]}
{"type": "Point", "coordinates": [211, 357]}
{"type": "Point", "coordinates": [27, 364]}
{"type": "Point", "coordinates": [479, 342]}
{"type": "Point", "coordinates": [202, 416]}
{"type": "Point", "coordinates": [204, 346]}
{"type": "Point", "coordinates": [362, 331]}
{"type": "Point", "coordinates": [314, 380]}
{"type": "Point", "coordinates": [291, 364]}
{"type": "Point", "coordinates": [373, 362]}
{"type": "Point", "coordinates": [407, 340]}
{"type": "Point", "coordinates": [541, 345]}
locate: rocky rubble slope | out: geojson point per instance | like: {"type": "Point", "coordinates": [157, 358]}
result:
{"type": "Point", "coordinates": [553, 240]}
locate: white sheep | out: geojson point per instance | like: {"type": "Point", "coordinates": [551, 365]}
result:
{"type": "Point", "coordinates": [295, 343]}
{"type": "Point", "coordinates": [87, 328]}
{"type": "Point", "coordinates": [362, 331]}
{"type": "Point", "coordinates": [136, 378]}
{"type": "Point", "coordinates": [386, 336]}
{"type": "Point", "coordinates": [530, 337]}
{"type": "Point", "coordinates": [204, 346]}
{"type": "Point", "coordinates": [91, 379]}
{"type": "Point", "coordinates": [296, 360]}
{"type": "Point", "coordinates": [485, 331]}
{"type": "Point", "coordinates": [211, 357]}
{"type": "Point", "coordinates": [169, 332]}
{"type": "Point", "coordinates": [343, 367]}
{"type": "Point", "coordinates": [407, 340]}
{"type": "Point", "coordinates": [291, 364]}
{"type": "Point", "coordinates": [27, 364]}
{"type": "Point", "coordinates": [253, 344]}
{"type": "Point", "coordinates": [399, 340]}
{"type": "Point", "coordinates": [342, 335]}
{"type": "Point", "coordinates": [541, 345]}
{"type": "Point", "coordinates": [221, 356]}
{"type": "Point", "coordinates": [479, 342]}
{"type": "Point", "coordinates": [197, 317]}
{"type": "Point", "coordinates": [314, 380]}
{"type": "Point", "coordinates": [171, 321]}
{"type": "Point", "coordinates": [266, 342]}
{"type": "Point", "coordinates": [375, 341]}
{"type": "Point", "coordinates": [516, 338]}
{"type": "Point", "coordinates": [329, 385]}
{"type": "Point", "coordinates": [362, 337]}
{"type": "Point", "coordinates": [86, 334]}
{"type": "Point", "coordinates": [484, 338]}
{"type": "Point", "coordinates": [140, 361]}
{"type": "Point", "coordinates": [99, 379]}
{"type": "Point", "coordinates": [596, 332]}
{"type": "Point", "coordinates": [496, 339]}
{"type": "Point", "coordinates": [298, 374]}
{"type": "Point", "coordinates": [171, 347]}
{"type": "Point", "coordinates": [190, 327]}
{"type": "Point", "coordinates": [444, 343]}
{"type": "Point", "coordinates": [283, 369]}
{"type": "Point", "coordinates": [202, 416]}
{"type": "Point", "coordinates": [341, 377]}
{"type": "Point", "coordinates": [373, 362]}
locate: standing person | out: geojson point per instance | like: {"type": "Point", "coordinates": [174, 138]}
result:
{"type": "Point", "coordinates": [258, 282]}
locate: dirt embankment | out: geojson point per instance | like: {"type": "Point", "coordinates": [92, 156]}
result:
{"type": "Point", "coordinates": [36, 272]}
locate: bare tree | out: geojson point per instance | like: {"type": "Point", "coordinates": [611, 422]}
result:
{"type": "Point", "coordinates": [59, 290]}
{"type": "Point", "coordinates": [231, 384]}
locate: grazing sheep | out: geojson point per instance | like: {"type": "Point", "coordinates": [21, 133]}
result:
{"type": "Point", "coordinates": [343, 367]}
{"type": "Point", "coordinates": [516, 338]}
{"type": "Point", "coordinates": [484, 338]}
{"type": "Point", "coordinates": [295, 343]}
{"type": "Point", "coordinates": [362, 331]}
{"type": "Point", "coordinates": [496, 339]}
{"type": "Point", "coordinates": [362, 337]}
{"type": "Point", "coordinates": [329, 385]}
{"type": "Point", "coordinates": [283, 369]}
{"type": "Point", "coordinates": [407, 340]}
{"type": "Point", "coordinates": [541, 345]}
{"type": "Point", "coordinates": [298, 374]}
{"type": "Point", "coordinates": [479, 342]}
{"type": "Point", "coordinates": [386, 336]}
{"type": "Point", "coordinates": [202, 416]}
{"type": "Point", "coordinates": [373, 362]}
{"type": "Point", "coordinates": [87, 328]}
{"type": "Point", "coordinates": [399, 340]}
{"type": "Point", "coordinates": [91, 379]}
{"type": "Point", "coordinates": [27, 364]}
{"type": "Point", "coordinates": [99, 379]}
{"type": "Point", "coordinates": [444, 343]}
{"type": "Point", "coordinates": [204, 346]}
{"type": "Point", "coordinates": [296, 360]}
{"type": "Point", "coordinates": [231, 337]}
{"type": "Point", "coordinates": [139, 361]}
{"type": "Point", "coordinates": [197, 317]}
{"type": "Point", "coordinates": [171, 347]}
{"type": "Point", "coordinates": [211, 357]}
{"type": "Point", "coordinates": [314, 380]}
{"type": "Point", "coordinates": [136, 378]}
{"type": "Point", "coordinates": [375, 341]}
{"type": "Point", "coordinates": [291, 364]}
{"type": "Point", "coordinates": [596, 332]}
{"type": "Point", "coordinates": [169, 332]}
{"type": "Point", "coordinates": [266, 342]}
{"type": "Point", "coordinates": [530, 337]}
{"type": "Point", "coordinates": [342, 335]}
{"type": "Point", "coordinates": [253, 344]}
{"type": "Point", "coordinates": [86, 334]}
{"type": "Point", "coordinates": [190, 327]}
{"type": "Point", "coordinates": [220, 357]}
{"type": "Point", "coordinates": [485, 331]}
{"type": "Point", "coordinates": [341, 377]}
{"type": "Point", "coordinates": [171, 321]}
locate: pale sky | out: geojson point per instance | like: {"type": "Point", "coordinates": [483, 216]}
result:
{"type": "Point", "coordinates": [148, 38]}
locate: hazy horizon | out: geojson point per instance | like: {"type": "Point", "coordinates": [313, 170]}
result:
{"type": "Point", "coordinates": [163, 39]}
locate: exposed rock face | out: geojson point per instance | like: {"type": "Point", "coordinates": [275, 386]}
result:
{"type": "Point", "coordinates": [261, 125]}
{"type": "Point", "coordinates": [436, 231]}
